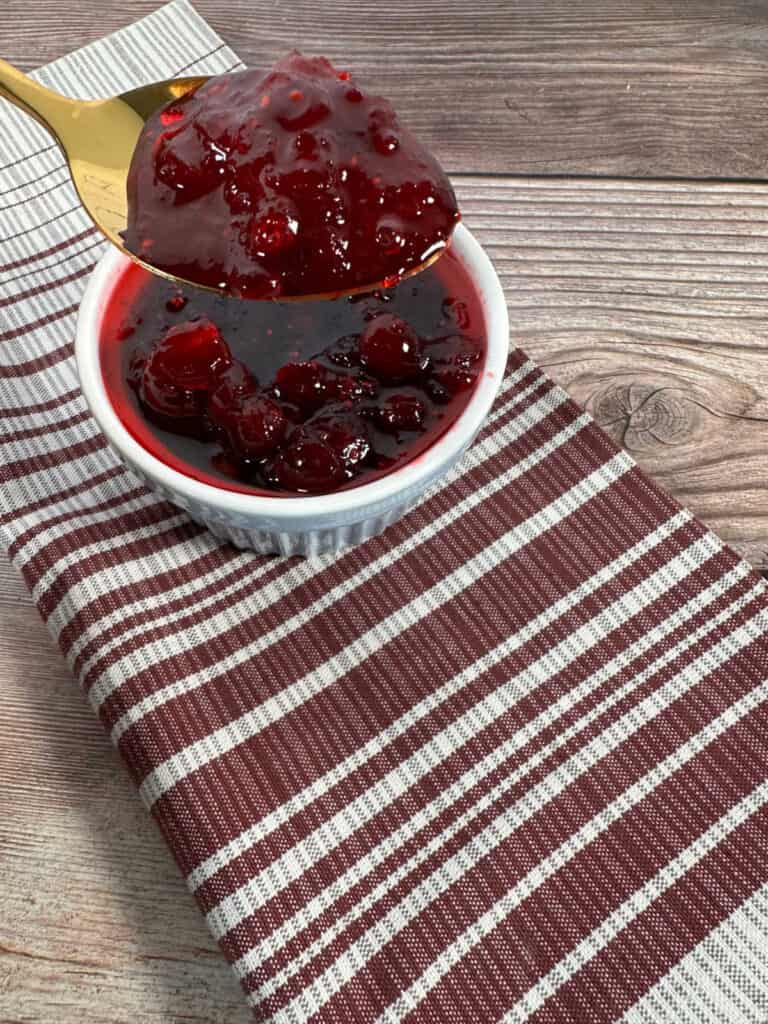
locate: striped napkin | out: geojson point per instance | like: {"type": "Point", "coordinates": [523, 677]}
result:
{"type": "Point", "coordinates": [505, 763]}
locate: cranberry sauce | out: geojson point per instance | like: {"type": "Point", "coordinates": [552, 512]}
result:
{"type": "Point", "coordinates": [293, 183]}
{"type": "Point", "coordinates": [291, 398]}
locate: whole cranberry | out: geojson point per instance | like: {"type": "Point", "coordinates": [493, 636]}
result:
{"type": "Point", "coordinates": [186, 163]}
{"type": "Point", "coordinates": [454, 350]}
{"type": "Point", "coordinates": [345, 351]}
{"type": "Point", "coordinates": [307, 385]}
{"type": "Point", "coordinates": [190, 355]}
{"type": "Point", "coordinates": [455, 379]}
{"type": "Point", "coordinates": [353, 388]}
{"type": "Point", "coordinates": [232, 385]}
{"type": "Point", "coordinates": [258, 427]}
{"type": "Point", "coordinates": [136, 366]}
{"type": "Point", "coordinates": [342, 430]}
{"type": "Point", "coordinates": [401, 412]}
{"type": "Point", "coordinates": [165, 398]}
{"type": "Point", "coordinates": [176, 303]}
{"type": "Point", "coordinates": [308, 467]}
{"type": "Point", "coordinates": [272, 231]}
{"type": "Point", "coordinates": [391, 350]}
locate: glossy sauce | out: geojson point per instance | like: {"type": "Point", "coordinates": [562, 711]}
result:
{"type": "Point", "coordinates": [292, 183]}
{"type": "Point", "coordinates": [439, 306]}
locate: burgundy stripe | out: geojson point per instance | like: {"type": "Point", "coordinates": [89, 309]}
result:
{"type": "Point", "coordinates": [40, 289]}
{"type": "Point", "coordinates": [111, 531]}
{"type": "Point", "coordinates": [536, 935]}
{"type": "Point", "coordinates": [45, 429]}
{"type": "Point", "coordinates": [242, 573]}
{"type": "Point", "coordinates": [37, 407]}
{"type": "Point", "coordinates": [44, 362]}
{"type": "Point", "coordinates": [68, 515]}
{"type": "Point", "coordinates": [156, 586]}
{"type": "Point", "coordinates": [623, 858]}
{"type": "Point", "coordinates": [43, 321]}
{"type": "Point", "coordinates": [483, 742]}
{"type": "Point", "coordinates": [303, 595]}
{"type": "Point", "coordinates": [50, 266]}
{"type": "Point", "coordinates": [364, 707]}
{"type": "Point", "coordinates": [706, 895]}
{"type": "Point", "coordinates": [46, 460]}
{"type": "Point", "coordinates": [213, 705]}
{"type": "Point", "coordinates": [64, 244]}
{"type": "Point", "coordinates": [116, 556]}
{"type": "Point", "coordinates": [347, 564]}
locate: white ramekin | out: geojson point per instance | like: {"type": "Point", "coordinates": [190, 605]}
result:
{"type": "Point", "coordinates": [314, 524]}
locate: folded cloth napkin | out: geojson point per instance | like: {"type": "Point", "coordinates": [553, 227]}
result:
{"type": "Point", "coordinates": [506, 762]}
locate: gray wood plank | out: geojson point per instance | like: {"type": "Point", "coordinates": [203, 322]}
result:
{"type": "Point", "coordinates": [533, 87]}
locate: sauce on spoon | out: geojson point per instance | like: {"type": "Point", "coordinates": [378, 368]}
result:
{"type": "Point", "coordinates": [288, 184]}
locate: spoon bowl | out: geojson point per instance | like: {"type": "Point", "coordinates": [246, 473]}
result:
{"type": "Point", "coordinates": [98, 138]}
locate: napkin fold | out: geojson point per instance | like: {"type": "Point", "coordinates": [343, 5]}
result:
{"type": "Point", "coordinates": [506, 762]}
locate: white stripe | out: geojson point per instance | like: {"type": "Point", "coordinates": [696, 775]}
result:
{"type": "Point", "coordinates": [12, 423]}
{"type": "Point", "coordinates": [101, 583]}
{"type": "Point", "coordinates": [405, 774]}
{"type": "Point", "coordinates": [80, 518]}
{"type": "Point", "coordinates": [271, 944]}
{"type": "Point", "coordinates": [110, 680]}
{"type": "Point", "coordinates": [164, 559]}
{"type": "Point", "coordinates": [723, 980]}
{"type": "Point", "coordinates": [80, 593]}
{"type": "Point", "coordinates": [74, 505]}
{"type": "Point", "coordinates": [123, 669]}
{"type": "Point", "coordinates": [318, 787]}
{"type": "Point", "coordinates": [304, 569]}
{"type": "Point", "coordinates": [647, 894]}
{"type": "Point", "coordinates": [354, 958]}
{"type": "Point", "coordinates": [217, 743]}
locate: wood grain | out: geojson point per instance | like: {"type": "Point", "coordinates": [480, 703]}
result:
{"type": "Point", "coordinates": [650, 303]}
{"type": "Point", "coordinates": [653, 89]}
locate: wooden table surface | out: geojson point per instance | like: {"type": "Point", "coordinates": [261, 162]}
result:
{"type": "Point", "coordinates": [608, 154]}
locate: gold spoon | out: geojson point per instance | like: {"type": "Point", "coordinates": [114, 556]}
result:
{"type": "Point", "coordinates": [98, 137]}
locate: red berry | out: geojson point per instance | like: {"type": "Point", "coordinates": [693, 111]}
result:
{"type": "Point", "coordinates": [457, 312]}
{"type": "Point", "coordinates": [352, 389]}
{"type": "Point", "coordinates": [345, 351]}
{"type": "Point", "coordinates": [258, 427]}
{"type": "Point", "coordinates": [455, 350]}
{"type": "Point", "coordinates": [455, 379]}
{"type": "Point", "coordinates": [176, 303]}
{"type": "Point", "coordinates": [191, 355]}
{"type": "Point", "coordinates": [390, 349]}
{"type": "Point", "coordinates": [136, 366]}
{"type": "Point", "coordinates": [186, 163]}
{"type": "Point", "coordinates": [401, 412]}
{"type": "Point", "coordinates": [342, 430]}
{"type": "Point", "coordinates": [309, 467]}
{"type": "Point", "coordinates": [233, 384]}
{"type": "Point", "coordinates": [170, 116]}
{"type": "Point", "coordinates": [307, 385]}
{"type": "Point", "coordinates": [272, 231]}
{"type": "Point", "coordinates": [170, 401]}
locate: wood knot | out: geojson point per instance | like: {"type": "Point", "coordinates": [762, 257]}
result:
{"type": "Point", "coordinates": [643, 417]}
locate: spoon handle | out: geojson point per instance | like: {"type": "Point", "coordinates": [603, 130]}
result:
{"type": "Point", "coordinates": [50, 108]}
